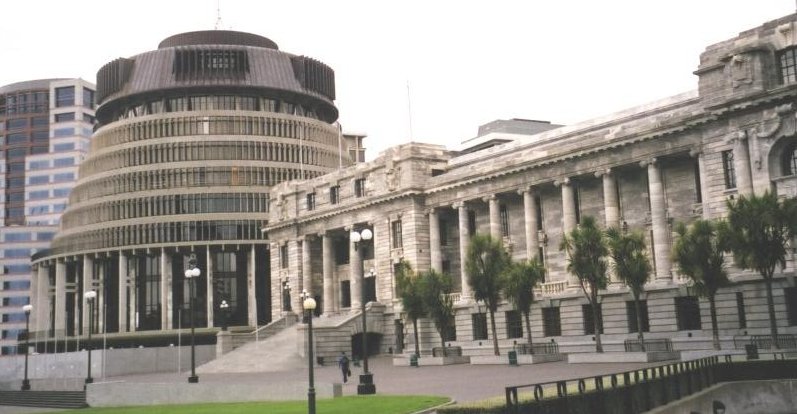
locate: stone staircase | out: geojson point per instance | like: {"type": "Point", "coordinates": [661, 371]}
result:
{"type": "Point", "coordinates": [277, 352]}
{"type": "Point", "coordinates": [44, 399]}
{"type": "Point", "coordinates": [240, 339]}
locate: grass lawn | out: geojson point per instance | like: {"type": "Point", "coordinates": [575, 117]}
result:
{"type": "Point", "coordinates": [384, 404]}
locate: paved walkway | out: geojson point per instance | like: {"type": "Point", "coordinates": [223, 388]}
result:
{"type": "Point", "coordinates": [460, 382]}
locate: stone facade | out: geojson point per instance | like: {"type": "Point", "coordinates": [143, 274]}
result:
{"type": "Point", "coordinates": [644, 168]}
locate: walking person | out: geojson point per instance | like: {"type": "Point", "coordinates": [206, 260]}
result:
{"type": "Point", "coordinates": [343, 364]}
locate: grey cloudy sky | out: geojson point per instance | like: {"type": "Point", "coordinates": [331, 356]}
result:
{"type": "Point", "coordinates": [466, 62]}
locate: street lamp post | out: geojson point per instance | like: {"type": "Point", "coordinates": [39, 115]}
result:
{"type": "Point", "coordinates": [308, 303]}
{"type": "Point", "coordinates": [224, 307]}
{"type": "Point", "coordinates": [192, 273]}
{"type": "Point", "coordinates": [90, 296]}
{"type": "Point", "coordinates": [26, 381]}
{"type": "Point", "coordinates": [366, 385]}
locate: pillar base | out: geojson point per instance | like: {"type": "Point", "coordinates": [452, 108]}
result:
{"type": "Point", "coordinates": [366, 385]}
{"type": "Point", "coordinates": [223, 343]}
{"type": "Point", "coordinates": [25, 385]}
{"type": "Point", "coordinates": [193, 379]}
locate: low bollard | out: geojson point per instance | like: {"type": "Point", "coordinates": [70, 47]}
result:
{"type": "Point", "coordinates": [414, 360]}
{"type": "Point", "coordinates": [513, 358]}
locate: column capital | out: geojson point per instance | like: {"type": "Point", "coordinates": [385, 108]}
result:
{"type": "Point", "coordinates": [734, 137]}
{"type": "Point", "coordinates": [491, 197]}
{"type": "Point", "coordinates": [647, 162]}
{"type": "Point", "coordinates": [562, 181]}
{"type": "Point", "coordinates": [696, 151]}
{"type": "Point", "coordinates": [458, 205]}
{"type": "Point", "coordinates": [526, 189]}
{"type": "Point", "coordinates": [601, 173]}
{"type": "Point", "coordinates": [322, 233]}
{"type": "Point", "coordinates": [430, 211]}
{"type": "Point", "coordinates": [349, 228]}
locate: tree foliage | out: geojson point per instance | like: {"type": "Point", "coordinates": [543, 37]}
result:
{"type": "Point", "coordinates": [519, 284]}
{"type": "Point", "coordinates": [631, 265]}
{"type": "Point", "coordinates": [435, 290]}
{"type": "Point", "coordinates": [409, 289]}
{"type": "Point", "coordinates": [586, 250]}
{"type": "Point", "coordinates": [485, 264]}
{"type": "Point", "coordinates": [699, 253]}
{"type": "Point", "coordinates": [761, 228]}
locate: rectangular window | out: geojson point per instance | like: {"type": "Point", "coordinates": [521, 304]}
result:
{"type": "Point", "coordinates": [345, 294]}
{"type": "Point", "coordinates": [18, 123]}
{"type": "Point", "coordinates": [40, 136]}
{"type": "Point", "coordinates": [66, 146]}
{"type": "Point", "coordinates": [687, 313]}
{"type": "Point", "coordinates": [728, 169]}
{"type": "Point", "coordinates": [451, 333]}
{"type": "Point", "coordinates": [395, 234]}
{"type": "Point", "coordinates": [698, 187]}
{"type": "Point", "coordinates": [17, 237]}
{"type": "Point", "coordinates": [65, 117]}
{"type": "Point", "coordinates": [310, 201]}
{"type": "Point", "coordinates": [63, 162]}
{"type": "Point", "coordinates": [788, 74]}
{"type": "Point", "coordinates": [341, 251]}
{"type": "Point", "coordinates": [64, 96]}
{"type": "Point", "coordinates": [39, 179]}
{"type": "Point", "coordinates": [504, 220]}
{"type": "Point", "coordinates": [20, 138]}
{"type": "Point", "coordinates": [630, 310]}
{"type": "Point", "coordinates": [61, 177]}
{"type": "Point", "coordinates": [479, 323]}
{"type": "Point", "coordinates": [740, 310]}
{"type": "Point", "coordinates": [88, 98]}
{"type": "Point", "coordinates": [334, 194]}
{"type": "Point", "coordinates": [443, 232]}
{"type": "Point", "coordinates": [471, 222]}
{"type": "Point", "coordinates": [514, 324]}
{"type": "Point", "coordinates": [38, 195]}
{"type": "Point", "coordinates": [40, 121]}
{"type": "Point", "coordinates": [551, 322]}
{"type": "Point", "coordinates": [63, 132]}
{"type": "Point", "coordinates": [39, 165]}
{"type": "Point", "coordinates": [359, 187]}
{"type": "Point", "coordinates": [589, 319]}
{"type": "Point", "coordinates": [790, 294]}
{"type": "Point", "coordinates": [284, 256]}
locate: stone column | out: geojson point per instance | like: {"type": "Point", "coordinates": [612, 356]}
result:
{"type": "Point", "coordinates": [704, 194]}
{"type": "Point", "coordinates": [328, 260]}
{"type": "Point", "coordinates": [251, 273]}
{"type": "Point", "coordinates": [741, 163]}
{"type": "Point", "coordinates": [658, 217]}
{"type": "Point", "coordinates": [132, 279]}
{"type": "Point", "coordinates": [464, 242]}
{"type": "Point", "coordinates": [355, 274]}
{"type": "Point", "coordinates": [611, 204]}
{"type": "Point", "coordinates": [495, 217]}
{"type": "Point", "coordinates": [34, 298]}
{"type": "Point", "coordinates": [307, 263]}
{"type": "Point", "coordinates": [166, 290]}
{"type": "Point", "coordinates": [88, 284]}
{"type": "Point", "coordinates": [434, 241]}
{"type": "Point", "coordinates": [208, 271]}
{"type": "Point", "coordinates": [568, 218]}
{"type": "Point", "coordinates": [41, 322]}
{"type": "Point", "coordinates": [60, 298]}
{"type": "Point", "coordinates": [123, 319]}
{"type": "Point", "coordinates": [531, 226]}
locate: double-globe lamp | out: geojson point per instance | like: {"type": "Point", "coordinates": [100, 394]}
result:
{"type": "Point", "coordinates": [191, 274]}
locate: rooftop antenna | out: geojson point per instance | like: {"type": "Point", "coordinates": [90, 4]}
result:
{"type": "Point", "coordinates": [218, 15]}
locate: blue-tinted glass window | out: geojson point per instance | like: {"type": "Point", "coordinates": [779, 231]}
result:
{"type": "Point", "coordinates": [16, 237]}
{"type": "Point", "coordinates": [65, 96]}
{"type": "Point", "coordinates": [40, 135]}
{"type": "Point", "coordinates": [44, 235]}
{"type": "Point", "coordinates": [40, 121]}
{"type": "Point", "coordinates": [39, 179]}
{"type": "Point", "coordinates": [39, 164]}
{"type": "Point", "coordinates": [17, 285]}
{"type": "Point", "coordinates": [39, 210]}
{"type": "Point", "coordinates": [16, 252]}
{"type": "Point", "coordinates": [66, 146]}
{"type": "Point", "coordinates": [63, 132]}
{"type": "Point", "coordinates": [64, 162]}
{"type": "Point", "coordinates": [39, 194]}
{"type": "Point", "coordinates": [17, 152]}
{"type": "Point", "coordinates": [57, 208]}
{"type": "Point", "coordinates": [64, 177]}
{"type": "Point", "coordinates": [18, 123]}
{"type": "Point", "coordinates": [61, 192]}
{"type": "Point", "coordinates": [16, 167]}
{"type": "Point", "coordinates": [16, 197]}
{"type": "Point", "coordinates": [16, 301]}
{"type": "Point", "coordinates": [17, 268]}
{"type": "Point", "coordinates": [15, 183]}
{"type": "Point", "coordinates": [17, 138]}
{"type": "Point", "coordinates": [15, 212]}
{"type": "Point", "coordinates": [88, 98]}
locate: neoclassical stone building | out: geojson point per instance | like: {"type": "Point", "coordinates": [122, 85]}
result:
{"type": "Point", "coordinates": [644, 168]}
{"type": "Point", "coordinates": [190, 139]}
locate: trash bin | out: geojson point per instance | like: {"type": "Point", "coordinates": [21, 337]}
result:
{"type": "Point", "coordinates": [513, 358]}
{"type": "Point", "coordinates": [414, 360]}
{"type": "Point", "coordinates": [752, 351]}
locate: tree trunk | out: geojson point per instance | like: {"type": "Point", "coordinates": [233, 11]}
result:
{"type": "Point", "coordinates": [415, 330]}
{"type": "Point", "coordinates": [773, 324]}
{"type": "Point", "coordinates": [528, 327]}
{"type": "Point", "coordinates": [715, 332]}
{"type": "Point", "coordinates": [495, 337]}
{"type": "Point", "coordinates": [596, 323]}
{"type": "Point", "coordinates": [640, 335]}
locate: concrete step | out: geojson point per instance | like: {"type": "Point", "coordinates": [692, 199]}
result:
{"type": "Point", "coordinates": [44, 399]}
{"type": "Point", "coordinates": [276, 353]}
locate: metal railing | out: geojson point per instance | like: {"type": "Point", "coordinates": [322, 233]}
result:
{"type": "Point", "coordinates": [542, 348]}
{"type": "Point", "coordinates": [449, 351]}
{"type": "Point", "coordinates": [651, 345]}
{"type": "Point", "coordinates": [784, 341]}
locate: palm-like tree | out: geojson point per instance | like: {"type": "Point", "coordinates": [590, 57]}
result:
{"type": "Point", "coordinates": [409, 287]}
{"type": "Point", "coordinates": [700, 255]}
{"type": "Point", "coordinates": [632, 266]}
{"type": "Point", "coordinates": [586, 252]}
{"type": "Point", "coordinates": [435, 289]}
{"type": "Point", "coordinates": [761, 228]}
{"type": "Point", "coordinates": [519, 287]}
{"type": "Point", "coordinates": [486, 262]}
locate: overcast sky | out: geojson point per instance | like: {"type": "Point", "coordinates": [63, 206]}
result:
{"type": "Point", "coordinates": [466, 62]}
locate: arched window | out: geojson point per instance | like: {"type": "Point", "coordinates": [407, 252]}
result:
{"type": "Point", "coordinates": [790, 159]}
